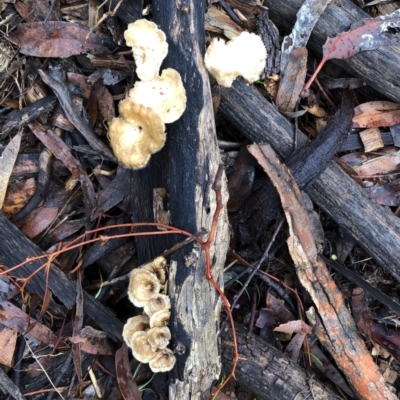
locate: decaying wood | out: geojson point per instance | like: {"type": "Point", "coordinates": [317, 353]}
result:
{"type": "Point", "coordinates": [338, 17]}
{"type": "Point", "coordinates": [337, 331]}
{"type": "Point", "coordinates": [15, 247]}
{"type": "Point", "coordinates": [186, 168]}
{"type": "Point", "coordinates": [266, 372]}
{"type": "Point", "coordinates": [375, 228]}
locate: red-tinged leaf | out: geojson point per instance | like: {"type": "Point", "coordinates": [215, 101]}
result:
{"type": "Point", "coordinates": [105, 102]}
{"type": "Point", "coordinates": [126, 383]}
{"type": "Point", "coordinates": [280, 312]}
{"type": "Point", "coordinates": [386, 195]}
{"type": "Point", "coordinates": [56, 39]}
{"type": "Point", "coordinates": [369, 34]}
{"type": "Point", "coordinates": [39, 220]}
{"type": "Point", "coordinates": [384, 164]}
{"type": "Point", "coordinates": [81, 80]}
{"type": "Point", "coordinates": [293, 348]}
{"type": "Point", "coordinates": [7, 161]}
{"type": "Point", "coordinates": [361, 313]}
{"type": "Point", "coordinates": [93, 341]}
{"type": "Point", "coordinates": [390, 341]}
{"type": "Point", "coordinates": [265, 317]}
{"type": "Point", "coordinates": [294, 327]}
{"type": "Point", "coordinates": [375, 114]}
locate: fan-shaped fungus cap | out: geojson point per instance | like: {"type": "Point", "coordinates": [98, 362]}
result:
{"type": "Point", "coordinates": [136, 135]}
{"type": "Point", "coordinates": [143, 286]}
{"type": "Point", "coordinates": [141, 348]}
{"type": "Point", "coordinates": [133, 325]}
{"type": "Point", "coordinates": [158, 272]}
{"type": "Point", "coordinates": [165, 95]}
{"type": "Point", "coordinates": [244, 55]}
{"type": "Point", "coordinates": [163, 361]}
{"type": "Point", "coordinates": [159, 337]}
{"type": "Point", "coordinates": [157, 303]}
{"type": "Point", "coordinates": [160, 262]}
{"type": "Point", "coordinates": [160, 318]}
{"type": "Point", "coordinates": [149, 47]}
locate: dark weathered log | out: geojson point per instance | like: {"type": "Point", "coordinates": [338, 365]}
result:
{"type": "Point", "coordinates": [375, 228]}
{"type": "Point", "coordinates": [15, 247]}
{"type": "Point", "coordinates": [337, 18]}
{"type": "Point", "coordinates": [266, 372]}
{"type": "Point", "coordinates": [186, 168]}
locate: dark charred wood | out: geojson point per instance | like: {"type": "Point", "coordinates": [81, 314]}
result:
{"type": "Point", "coordinates": [266, 372]}
{"type": "Point", "coordinates": [337, 18]}
{"type": "Point", "coordinates": [306, 164]}
{"type": "Point", "coordinates": [375, 228]}
{"type": "Point", "coordinates": [186, 168]}
{"type": "Point", "coordinates": [18, 119]}
{"type": "Point", "coordinates": [16, 247]}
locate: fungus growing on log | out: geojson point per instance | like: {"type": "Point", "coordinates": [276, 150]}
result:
{"type": "Point", "coordinates": [157, 303]}
{"type": "Point", "coordinates": [160, 318]}
{"type": "Point", "coordinates": [136, 135]}
{"type": "Point", "coordinates": [143, 286]}
{"type": "Point", "coordinates": [164, 94]}
{"type": "Point", "coordinates": [159, 337]}
{"type": "Point", "coordinates": [141, 347]}
{"type": "Point", "coordinates": [133, 325]}
{"type": "Point", "coordinates": [149, 47]}
{"type": "Point", "coordinates": [244, 55]}
{"type": "Point", "coordinates": [163, 361]}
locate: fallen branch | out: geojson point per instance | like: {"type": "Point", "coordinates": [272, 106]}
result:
{"type": "Point", "coordinates": [375, 228]}
{"type": "Point", "coordinates": [337, 332]}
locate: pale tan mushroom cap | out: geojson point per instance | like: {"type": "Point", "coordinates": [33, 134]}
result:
{"type": "Point", "coordinates": [244, 55]}
{"type": "Point", "coordinates": [163, 361]}
{"type": "Point", "coordinates": [166, 95]}
{"type": "Point", "coordinates": [159, 337]}
{"type": "Point", "coordinates": [158, 272]}
{"type": "Point", "coordinates": [136, 135]}
{"type": "Point", "coordinates": [141, 348]}
{"type": "Point", "coordinates": [160, 262]}
{"type": "Point", "coordinates": [143, 286]}
{"type": "Point", "coordinates": [160, 318]}
{"type": "Point", "coordinates": [133, 325]}
{"type": "Point", "coordinates": [149, 47]}
{"type": "Point", "coordinates": [157, 303]}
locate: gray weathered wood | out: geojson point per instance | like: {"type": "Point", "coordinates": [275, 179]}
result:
{"type": "Point", "coordinates": [379, 68]}
{"type": "Point", "coordinates": [266, 372]}
{"type": "Point", "coordinates": [375, 228]}
{"type": "Point", "coordinates": [186, 168]}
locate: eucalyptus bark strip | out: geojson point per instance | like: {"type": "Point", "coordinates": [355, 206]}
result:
{"type": "Point", "coordinates": [339, 333]}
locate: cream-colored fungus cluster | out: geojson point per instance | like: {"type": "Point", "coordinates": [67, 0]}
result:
{"type": "Point", "coordinates": [154, 101]}
{"type": "Point", "coordinates": [244, 55]}
{"type": "Point", "coordinates": [148, 334]}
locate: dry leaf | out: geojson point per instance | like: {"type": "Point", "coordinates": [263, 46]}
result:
{"type": "Point", "coordinates": [8, 341]}
{"type": "Point", "coordinates": [375, 114]}
{"type": "Point", "coordinates": [7, 161]}
{"type": "Point", "coordinates": [379, 165]}
{"type": "Point", "coordinates": [293, 348]}
{"type": "Point", "coordinates": [291, 327]}
{"type": "Point", "coordinates": [55, 39]}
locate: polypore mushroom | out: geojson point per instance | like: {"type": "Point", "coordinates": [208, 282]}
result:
{"type": "Point", "coordinates": [149, 47]}
{"type": "Point", "coordinates": [141, 348]}
{"type": "Point", "coordinates": [136, 135]}
{"type": "Point", "coordinates": [143, 286]}
{"type": "Point", "coordinates": [159, 337]}
{"type": "Point", "coordinates": [157, 267]}
{"type": "Point", "coordinates": [244, 55]}
{"type": "Point", "coordinates": [157, 303]}
{"type": "Point", "coordinates": [163, 361]}
{"type": "Point", "coordinates": [165, 95]}
{"type": "Point", "coordinates": [133, 325]}
{"type": "Point", "coordinates": [160, 318]}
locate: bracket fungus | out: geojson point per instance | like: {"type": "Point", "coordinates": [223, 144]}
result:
{"type": "Point", "coordinates": [149, 47]}
{"type": "Point", "coordinates": [141, 347]}
{"type": "Point", "coordinates": [157, 303]}
{"type": "Point", "coordinates": [148, 335]}
{"type": "Point", "coordinates": [160, 318]}
{"type": "Point", "coordinates": [159, 337]}
{"type": "Point", "coordinates": [155, 100]}
{"type": "Point", "coordinates": [164, 94]}
{"type": "Point", "coordinates": [135, 324]}
{"type": "Point", "coordinates": [163, 361]}
{"type": "Point", "coordinates": [143, 286]}
{"type": "Point", "coordinates": [136, 135]}
{"type": "Point", "coordinates": [244, 55]}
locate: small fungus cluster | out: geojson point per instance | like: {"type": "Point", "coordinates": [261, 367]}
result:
{"type": "Point", "coordinates": [154, 101]}
{"type": "Point", "coordinates": [244, 55]}
{"type": "Point", "coordinates": [148, 334]}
